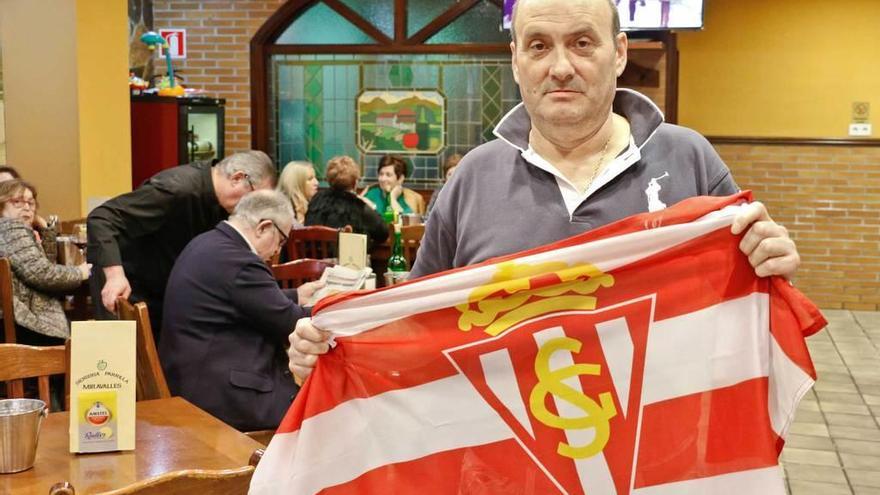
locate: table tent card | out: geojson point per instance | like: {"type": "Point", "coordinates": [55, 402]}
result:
{"type": "Point", "coordinates": [102, 385]}
{"type": "Point", "coordinates": [353, 250]}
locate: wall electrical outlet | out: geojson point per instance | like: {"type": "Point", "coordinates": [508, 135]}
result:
{"type": "Point", "coordinates": [860, 129]}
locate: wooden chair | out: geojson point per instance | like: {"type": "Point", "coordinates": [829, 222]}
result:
{"type": "Point", "coordinates": [225, 481]}
{"type": "Point", "coordinates": [411, 237]}
{"type": "Point", "coordinates": [151, 382]}
{"type": "Point", "coordinates": [316, 242]}
{"type": "Point", "coordinates": [68, 226]}
{"type": "Point", "coordinates": [18, 362]}
{"type": "Point", "coordinates": [292, 274]}
{"type": "Point", "coordinates": [6, 301]}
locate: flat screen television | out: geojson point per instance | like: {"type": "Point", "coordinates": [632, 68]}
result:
{"type": "Point", "coordinates": [647, 15]}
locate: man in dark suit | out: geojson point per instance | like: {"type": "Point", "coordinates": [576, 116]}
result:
{"type": "Point", "coordinates": [226, 320]}
{"type": "Point", "coordinates": [135, 238]}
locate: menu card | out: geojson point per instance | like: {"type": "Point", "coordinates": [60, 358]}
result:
{"type": "Point", "coordinates": [353, 250]}
{"type": "Point", "coordinates": [339, 279]}
{"type": "Point", "coordinates": [102, 385]}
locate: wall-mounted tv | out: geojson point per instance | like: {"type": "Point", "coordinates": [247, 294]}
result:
{"type": "Point", "coordinates": [647, 15]}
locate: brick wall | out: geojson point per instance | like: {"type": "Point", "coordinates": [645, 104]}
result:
{"type": "Point", "coordinates": [829, 199]}
{"type": "Point", "coordinates": [218, 53]}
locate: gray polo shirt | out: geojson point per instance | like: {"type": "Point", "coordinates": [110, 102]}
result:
{"type": "Point", "coordinates": [499, 202]}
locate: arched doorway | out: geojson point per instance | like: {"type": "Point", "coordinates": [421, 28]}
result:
{"type": "Point", "coordinates": [312, 60]}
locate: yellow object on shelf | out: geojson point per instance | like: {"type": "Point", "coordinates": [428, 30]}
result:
{"type": "Point", "coordinates": [175, 91]}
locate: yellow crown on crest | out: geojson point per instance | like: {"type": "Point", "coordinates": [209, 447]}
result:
{"type": "Point", "coordinates": [518, 292]}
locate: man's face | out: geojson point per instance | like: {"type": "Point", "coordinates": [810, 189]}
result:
{"type": "Point", "coordinates": [566, 61]}
{"type": "Point", "coordinates": [270, 238]}
{"type": "Point", "coordinates": [235, 186]}
{"type": "Point", "coordinates": [5, 176]}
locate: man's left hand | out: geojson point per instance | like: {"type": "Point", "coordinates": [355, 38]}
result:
{"type": "Point", "coordinates": [767, 244]}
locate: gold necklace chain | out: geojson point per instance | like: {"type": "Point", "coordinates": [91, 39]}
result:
{"type": "Point", "coordinates": [598, 164]}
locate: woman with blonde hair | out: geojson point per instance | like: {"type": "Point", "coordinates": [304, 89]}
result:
{"type": "Point", "coordinates": [298, 182]}
{"type": "Point", "coordinates": [37, 282]}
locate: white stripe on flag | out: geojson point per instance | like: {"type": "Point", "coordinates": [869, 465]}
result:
{"type": "Point", "coordinates": [363, 434]}
{"type": "Point", "coordinates": [617, 344]}
{"type": "Point", "coordinates": [593, 472]}
{"type": "Point", "coordinates": [501, 380]}
{"type": "Point", "coordinates": [372, 310]}
{"type": "Point", "coordinates": [788, 384]}
{"type": "Point", "coordinates": [764, 481]}
{"type": "Point", "coordinates": [729, 338]}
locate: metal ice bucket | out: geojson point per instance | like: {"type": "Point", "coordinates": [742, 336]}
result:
{"type": "Point", "coordinates": [20, 421]}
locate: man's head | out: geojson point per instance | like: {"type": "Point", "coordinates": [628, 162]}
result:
{"type": "Point", "coordinates": [567, 55]}
{"type": "Point", "coordinates": [265, 217]}
{"type": "Point", "coordinates": [241, 173]}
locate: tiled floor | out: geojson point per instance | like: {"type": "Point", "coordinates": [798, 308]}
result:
{"type": "Point", "coordinates": [833, 446]}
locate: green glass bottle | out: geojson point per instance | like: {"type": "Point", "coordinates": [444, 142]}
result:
{"type": "Point", "coordinates": [397, 262]}
{"type": "Point", "coordinates": [388, 214]}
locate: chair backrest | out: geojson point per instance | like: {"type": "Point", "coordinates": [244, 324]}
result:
{"type": "Point", "coordinates": [18, 361]}
{"type": "Point", "coordinates": [317, 241]}
{"type": "Point", "coordinates": [411, 237]}
{"type": "Point", "coordinates": [189, 481]}
{"type": "Point", "coordinates": [6, 301]}
{"type": "Point", "coordinates": [294, 273]}
{"type": "Point", "coordinates": [69, 226]}
{"type": "Point", "coordinates": [151, 382]}
{"type": "Point", "coordinates": [222, 481]}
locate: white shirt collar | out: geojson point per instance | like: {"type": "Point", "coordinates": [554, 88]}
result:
{"type": "Point", "coordinates": [242, 236]}
{"type": "Point", "coordinates": [570, 194]}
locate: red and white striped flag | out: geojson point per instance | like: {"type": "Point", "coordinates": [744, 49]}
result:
{"type": "Point", "coordinates": [644, 357]}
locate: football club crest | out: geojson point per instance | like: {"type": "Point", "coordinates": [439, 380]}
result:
{"type": "Point", "coordinates": [567, 382]}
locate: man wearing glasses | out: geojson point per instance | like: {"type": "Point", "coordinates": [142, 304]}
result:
{"type": "Point", "coordinates": [226, 320]}
{"type": "Point", "coordinates": [135, 238]}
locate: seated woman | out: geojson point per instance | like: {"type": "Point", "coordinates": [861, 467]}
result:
{"type": "Point", "coordinates": [392, 172]}
{"type": "Point", "coordinates": [340, 206]}
{"type": "Point", "coordinates": [448, 169]}
{"type": "Point", "coordinates": [36, 281]}
{"type": "Point", "coordinates": [298, 182]}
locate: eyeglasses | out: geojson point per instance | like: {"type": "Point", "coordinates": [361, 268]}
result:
{"type": "Point", "coordinates": [21, 203]}
{"type": "Point", "coordinates": [284, 236]}
{"type": "Point", "coordinates": [251, 184]}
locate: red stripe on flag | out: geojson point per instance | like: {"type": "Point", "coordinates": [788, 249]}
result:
{"type": "Point", "coordinates": [708, 434]}
{"type": "Point", "coordinates": [793, 317]}
{"type": "Point", "coordinates": [474, 470]}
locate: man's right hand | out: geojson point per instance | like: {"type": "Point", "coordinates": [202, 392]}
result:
{"type": "Point", "coordinates": [306, 344]}
{"type": "Point", "coordinates": [116, 286]}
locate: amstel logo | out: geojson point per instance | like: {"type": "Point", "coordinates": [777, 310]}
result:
{"type": "Point", "coordinates": [98, 414]}
{"type": "Point", "coordinates": [564, 376]}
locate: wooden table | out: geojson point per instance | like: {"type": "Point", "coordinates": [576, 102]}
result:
{"type": "Point", "coordinates": [171, 435]}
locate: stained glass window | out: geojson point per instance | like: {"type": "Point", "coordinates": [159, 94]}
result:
{"type": "Point", "coordinates": [480, 24]}
{"type": "Point", "coordinates": [321, 25]}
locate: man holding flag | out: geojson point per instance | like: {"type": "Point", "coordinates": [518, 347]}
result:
{"type": "Point", "coordinates": [647, 355]}
{"type": "Point", "coordinates": [567, 162]}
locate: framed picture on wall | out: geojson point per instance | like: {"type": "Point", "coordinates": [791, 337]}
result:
{"type": "Point", "coordinates": [401, 121]}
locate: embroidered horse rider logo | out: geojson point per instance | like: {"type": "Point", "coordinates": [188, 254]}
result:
{"type": "Point", "coordinates": [653, 194]}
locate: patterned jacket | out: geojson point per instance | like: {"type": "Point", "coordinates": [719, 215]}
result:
{"type": "Point", "coordinates": [36, 282]}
